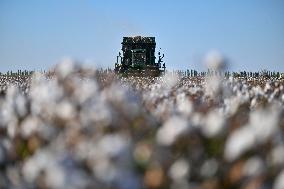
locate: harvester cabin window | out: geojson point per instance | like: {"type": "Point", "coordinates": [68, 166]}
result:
{"type": "Point", "coordinates": [138, 57]}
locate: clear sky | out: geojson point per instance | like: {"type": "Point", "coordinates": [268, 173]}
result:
{"type": "Point", "coordinates": [36, 34]}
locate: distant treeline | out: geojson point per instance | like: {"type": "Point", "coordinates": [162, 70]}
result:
{"type": "Point", "coordinates": [19, 72]}
{"type": "Point", "coordinates": [194, 73]}
{"type": "Point", "coordinates": [185, 73]}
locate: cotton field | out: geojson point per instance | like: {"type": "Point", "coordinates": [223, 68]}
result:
{"type": "Point", "coordinates": [79, 128]}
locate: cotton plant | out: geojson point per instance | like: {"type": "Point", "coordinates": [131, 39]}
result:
{"type": "Point", "coordinates": [77, 127]}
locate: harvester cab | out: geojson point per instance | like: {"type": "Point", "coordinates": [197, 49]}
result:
{"type": "Point", "coordinates": [138, 57]}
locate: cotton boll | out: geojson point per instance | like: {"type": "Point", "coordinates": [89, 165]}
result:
{"type": "Point", "coordinates": [169, 80]}
{"type": "Point", "coordinates": [215, 61]}
{"type": "Point", "coordinates": [21, 105]}
{"type": "Point", "coordinates": [105, 171]}
{"type": "Point", "coordinates": [98, 112]}
{"type": "Point", "coordinates": [231, 105]}
{"type": "Point", "coordinates": [12, 127]}
{"type": "Point", "coordinates": [14, 102]}
{"type": "Point", "coordinates": [113, 145]}
{"type": "Point", "coordinates": [264, 124]}
{"type": "Point", "coordinates": [65, 110]}
{"type": "Point", "coordinates": [276, 156]}
{"type": "Point", "coordinates": [29, 126]}
{"type": "Point", "coordinates": [38, 78]}
{"type": "Point", "coordinates": [33, 166]}
{"type": "Point", "coordinates": [13, 174]}
{"type": "Point", "coordinates": [55, 177]}
{"type": "Point", "coordinates": [172, 128]}
{"type": "Point", "coordinates": [267, 88]}
{"type": "Point", "coordinates": [86, 90]}
{"type": "Point", "coordinates": [258, 91]}
{"type": "Point", "coordinates": [184, 105]}
{"type": "Point", "coordinates": [197, 119]}
{"type": "Point", "coordinates": [12, 92]}
{"type": "Point", "coordinates": [65, 67]}
{"type": "Point", "coordinates": [214, 124]}
{"type": "Point", "coordinates": [179, 170]}
{"type": "Point", "coordinates": [279, 181]}
{"type": "Point", "coordinates": [254, 166]}
{"type": "Point", "coordinates": [7, 115]}
{"type": "Point", "coordinates": [44, 96]}
{"type": "Point", "coordinates": [213, 86]}
{"type": "Point", "coordinates": [124, 98]}
{"type": "Point", "coordinates": [47, 162]}
{"type": "Point", "coordinates": [239, 142]}
{"type": "Point", "coordinates": [209, 168]}
{"type": "Point", "coordinates": [253, 103]}
{"type": "Point", "coordinates": [46, 131]}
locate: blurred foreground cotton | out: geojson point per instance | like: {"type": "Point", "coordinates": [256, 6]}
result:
{"type": "Point", "coordinates": [82, 128]}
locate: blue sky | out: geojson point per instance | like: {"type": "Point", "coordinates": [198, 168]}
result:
{"type": "Point", "coordinates": [35, 34]}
